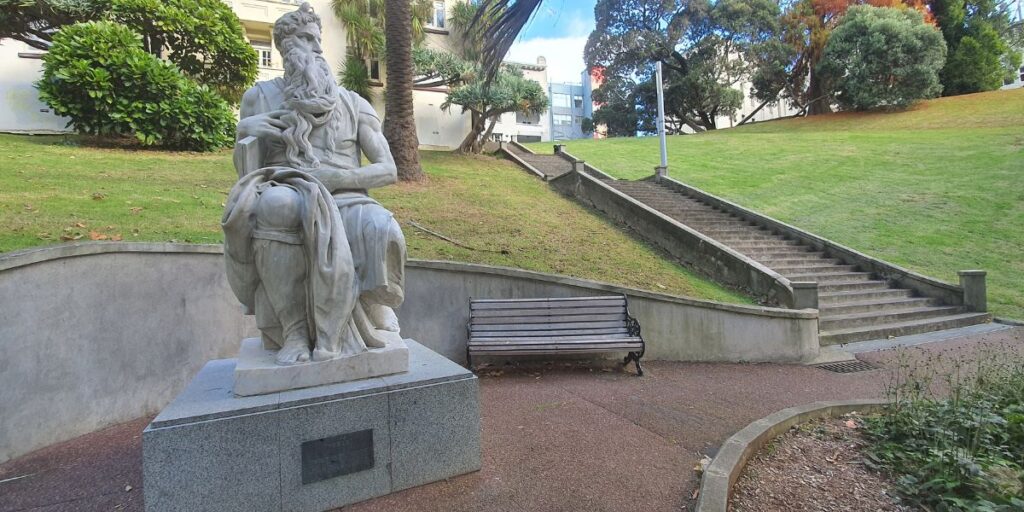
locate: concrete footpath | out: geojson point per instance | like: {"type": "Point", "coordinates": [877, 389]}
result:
{"type": "Point", "coordinates": [556, 437]}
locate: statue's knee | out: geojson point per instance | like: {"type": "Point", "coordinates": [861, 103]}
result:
{"type": "Point", "coordinates": [279, 208]}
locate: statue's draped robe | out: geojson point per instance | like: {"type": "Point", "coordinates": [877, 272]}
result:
{"type": "Point", "coordinates": [339, 232]}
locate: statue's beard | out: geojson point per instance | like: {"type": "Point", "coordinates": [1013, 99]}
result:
{"type": "Point", "coordinates": [311, 97]}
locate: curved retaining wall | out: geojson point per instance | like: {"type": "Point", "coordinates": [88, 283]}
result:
{"type": "Point", "coordinates": [95, 334]}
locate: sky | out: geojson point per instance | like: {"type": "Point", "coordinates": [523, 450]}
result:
{"type": "Point", "coordinates": [558, 32]}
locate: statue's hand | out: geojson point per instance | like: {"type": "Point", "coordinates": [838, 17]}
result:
{"type": "Point", "coordinates": [267, 125]}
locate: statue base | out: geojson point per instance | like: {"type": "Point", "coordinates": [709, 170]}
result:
{"type": "Point", "coordinates": [311, 449]}
{"type": "Point", "coordinates": [258, 373]}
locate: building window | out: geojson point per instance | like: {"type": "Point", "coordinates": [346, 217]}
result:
{"type": "Point", "coordinates": [563, 120]}
{"type": "Point", "coordinates": [525, 119]}
{"type": "Point", "coordinates": [373, 65]}
{"type": "Point", "coordinates": [437, 17]}
{"type": "Point", "coordinates": [266, 55]}
{"type": "Point", "coordinates": [577, 101]}
{"type": "Point", "coordinates": [577, 120]}
{"type": "Point", "coordinates": [560, 100]}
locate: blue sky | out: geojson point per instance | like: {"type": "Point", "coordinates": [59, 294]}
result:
{"type": "Point", "coordinates": [558, 33]}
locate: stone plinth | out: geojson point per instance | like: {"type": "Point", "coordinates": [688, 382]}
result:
{"type": "Point", "coordinates": [311, 449]}
{"type": "Point", "coordinates": [257, 372]}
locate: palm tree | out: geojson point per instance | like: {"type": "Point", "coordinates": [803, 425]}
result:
{"type": "Point", "coordinates": [498, 23]}
{"type": "Point", "coordinates": [399, 123]}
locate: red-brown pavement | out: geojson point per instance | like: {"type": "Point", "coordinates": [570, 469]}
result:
{"type": "Point", "coordinates": [556, 437]}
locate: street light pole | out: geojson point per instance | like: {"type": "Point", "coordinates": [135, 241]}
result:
{"type": "Point", "coordinates": [661, 170]}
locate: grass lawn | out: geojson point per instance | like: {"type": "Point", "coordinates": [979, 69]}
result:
{"type": "Point", "coordinates": [936, 189]}
{"type": "Point", "coordinates": [56, 191]}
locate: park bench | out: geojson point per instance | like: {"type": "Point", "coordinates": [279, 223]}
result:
{"type": "Point", "coordinates": [580, 325]}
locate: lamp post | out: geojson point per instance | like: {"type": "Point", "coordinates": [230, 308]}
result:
{"type": "Point", "coordinates": [661, 170]}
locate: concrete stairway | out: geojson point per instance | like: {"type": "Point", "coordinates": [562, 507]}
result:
{"type": "Point", "coordinates": [551, 166]}
{"type": "Point", "coordinates": [854, 305]}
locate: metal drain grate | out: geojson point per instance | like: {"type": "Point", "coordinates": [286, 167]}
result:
{"type": "Point", "coordinates": [847, 366]}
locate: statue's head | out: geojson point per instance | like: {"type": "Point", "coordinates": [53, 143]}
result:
{"type": "Point", "coordinates": [298, 26]}
{"type": "Point", "coordinates": [310, 91]}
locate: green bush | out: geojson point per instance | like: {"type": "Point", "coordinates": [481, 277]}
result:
{"type": "Point", "coordinates": [99, 75]}
{"type": "Point", "coordinates": [882, 56]}
{"type": "Point", "coordinates": [956, 444]}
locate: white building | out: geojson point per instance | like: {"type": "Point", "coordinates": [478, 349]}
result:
{"type": "Point", "coordinates": [515, 126]}
{"type": "Point", "coordinates": [21, 110]}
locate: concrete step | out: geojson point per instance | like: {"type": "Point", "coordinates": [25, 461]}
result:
{"type": "Point", "coordinates": [850, 286]}
{"type": "Point", "coordinates": [782, 252]}
{"type": "Point", "coordinates": [811, 259]}
{"type": "Point", "coordinates": [823, 278]}
{"type": "Point", "coordinates": [872, 318]}
{"type": "Point", "coordinates": [741, 236]}
{"type": "Point", "coordinates": [876, 305]}
{"type": "Point", "coordinates": [803, 268]}
{"type": "Point", "coordinates": [766, 246]}
{"type": "Point", "coordinates": [836, 298]}
{"type": "Point", "coordinates": [887, 330]}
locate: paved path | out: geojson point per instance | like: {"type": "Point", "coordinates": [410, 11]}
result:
{"type": "Point", "coordinates": [560, 437]}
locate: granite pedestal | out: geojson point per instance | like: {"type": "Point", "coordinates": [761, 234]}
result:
{"type": "Point", "coordinates": [311, 449]}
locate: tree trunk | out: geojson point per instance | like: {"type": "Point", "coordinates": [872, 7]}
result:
{"type": "Point", "coordinates": [399, 123]}
{"type": "Point", "coordinates": [754, 113]}
{"type": "Point", "coordinates": [476, 126]}
{"type": "Point", "coordinates": [479, 148]}
{"type": "Point", "coordinates": [819, 103]}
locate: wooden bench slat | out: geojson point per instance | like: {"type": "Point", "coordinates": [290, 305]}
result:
{"type": "Point", "coordinates": [561, 299]}
{"type": "Point", "coordinates": [583, 337]}
{"type": "Point", "coordinates": [545, 327]}
{"type": "Point", "coordinates": [608, 317]}
{"type": "Point", "coordinates": [621, 331]}
{"type": "Point", "coordinates": [557, 347]}
{"type": "Point", "coordinates": [489, 313]}
{"type": "Point", "coordinates": [616, 301]}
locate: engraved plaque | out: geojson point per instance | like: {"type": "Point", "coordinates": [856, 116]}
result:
{"type": "Point", "coordinates": [336, 456]}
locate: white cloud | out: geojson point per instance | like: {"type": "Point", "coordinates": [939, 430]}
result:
{"type": "Point", "coordinates": [564, 55]}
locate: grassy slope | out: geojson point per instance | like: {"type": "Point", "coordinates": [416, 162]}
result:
{"type": "Point", "coordinates": [937, 189]}
{"type": "Point", "coordinates": [53, 190]}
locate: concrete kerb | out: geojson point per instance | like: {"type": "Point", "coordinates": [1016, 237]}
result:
{"type": "Point", "coordinates": [720, 476]}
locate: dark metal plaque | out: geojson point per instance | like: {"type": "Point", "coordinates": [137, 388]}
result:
{"type": "Point", "coordinates": [336, 456]}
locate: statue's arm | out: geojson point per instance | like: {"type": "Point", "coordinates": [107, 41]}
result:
{"type": "Point", "coordinates": [380, 171]}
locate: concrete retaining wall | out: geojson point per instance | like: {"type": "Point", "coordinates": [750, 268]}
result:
{"type": "Point", "coordinates": [95, 334]}
{"type": "Point", "coordinates": [923, 285]}
{"type": "Point", "coordinates": [694, 249]}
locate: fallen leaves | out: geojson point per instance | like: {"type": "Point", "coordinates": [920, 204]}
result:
{"type": "Point", "coordinates": [98, 196]}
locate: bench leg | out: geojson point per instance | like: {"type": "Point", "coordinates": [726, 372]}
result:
{"type": "Point", "coordinates": [635, 357]}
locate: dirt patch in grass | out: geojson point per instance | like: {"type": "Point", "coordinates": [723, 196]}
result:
{"type": "Point", "coordinates": [816, 466]}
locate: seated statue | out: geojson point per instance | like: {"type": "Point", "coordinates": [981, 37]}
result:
{"type": "Point", "coordinates": [315, 259]}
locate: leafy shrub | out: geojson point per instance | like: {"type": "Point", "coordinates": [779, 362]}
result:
{"type": "Point", "coordinates": [882, 56]}
{"type": "Point", "coordinates": [99, 75]}
{"type": "Point", "coordinates": [961, 447]}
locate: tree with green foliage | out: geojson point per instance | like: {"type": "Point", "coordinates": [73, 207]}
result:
{"type": "Point", "coordinates": [883, 57]}
{"type": "Point", "coordinates": [461, 72]}
{"type": "Point", "coordinates": [619, 112]}
{"type": "Point", "coordinates": [702, 44]}
{"type": "Point", "coordinates": [978, 35]}
{"type": "Point", "coordinates": [509, 92]}
{"type": "Point", "coordinates": [203, 38]}
{"type": "Point", "coordinates": [100, 75]}
{"type": "Point", "coordinates": [365, 38]}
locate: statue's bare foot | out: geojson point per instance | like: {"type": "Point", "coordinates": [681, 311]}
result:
{"type": "Point", "coordinates": [383, 317]}
{"type": "Point", "coordinates": [294, 351]}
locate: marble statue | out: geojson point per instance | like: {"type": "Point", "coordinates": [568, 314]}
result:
{"type": "Point", "coordinates": [315, 259]}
